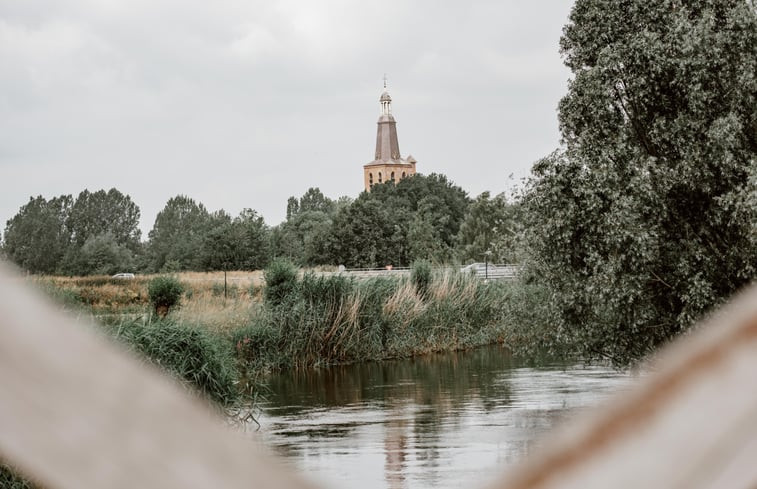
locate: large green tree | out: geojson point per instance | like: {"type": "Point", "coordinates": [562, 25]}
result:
{"type": "Point", "coordinates": [103, 221]}
{"type": "Point", "coordinates": [99, 213]}
{"type": "Point", "coordinates": [646, 219]}
{"type": "Point", "coordinates": [37, 237]}
{"type": "Point", "coordinates": [302, 237]}
{"type": "Point", "coordinates": [102, 255]}
{"type": "Point", "coordinates": [418, 218]}
{"type": "Point", "coordinates": [177, 237]}
{"type": "Point", "coordinates": [490, 225]}
{"type": "Point", "coordinates": [241, 244]}
{"type": "Point", "coordinates": [364, 235]}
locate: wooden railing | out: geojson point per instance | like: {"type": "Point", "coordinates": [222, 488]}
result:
{"type": "Point", "coordinates": [78, 412]}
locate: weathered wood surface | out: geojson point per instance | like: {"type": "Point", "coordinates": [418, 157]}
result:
{"type": "Point", "coordinates": [79, 413]}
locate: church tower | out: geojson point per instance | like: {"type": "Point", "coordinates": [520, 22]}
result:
{"type": "Point", "coordinates": [388, 166]}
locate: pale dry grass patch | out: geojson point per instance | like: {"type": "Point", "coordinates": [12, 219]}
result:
{"type": "Point", "coordinates": [215, 312]}
{"type": "Point", "coordinates": [451, 285]}
{"type": "Point", "coordinates": [241, 279]}
{"type": "Point", "coordinates": [203, 302]}
{"type": "Point", "coordinates": [405, 302]}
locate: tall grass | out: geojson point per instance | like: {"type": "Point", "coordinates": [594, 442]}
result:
{"type": "Point", "coordinates": [334, 319]}
{"type": "Point", "coordinates": [201, 360]}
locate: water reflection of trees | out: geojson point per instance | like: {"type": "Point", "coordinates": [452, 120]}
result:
{"type": "Point", "coordinates": [439, 382]}
{"type": "Point", "coordinates": [417, 408]}
{"type": "Point", "coordinates": [421, 399]}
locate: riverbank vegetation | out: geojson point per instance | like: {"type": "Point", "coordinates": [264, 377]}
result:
{"type": "Point", "coordinates": [302, 318]}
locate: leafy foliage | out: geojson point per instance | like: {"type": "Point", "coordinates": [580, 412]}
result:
{"type": "Point", "coordinates": [178, 234]}
{"type": "Point", "coordinates": [363, 235]}
{"type": "Point", "coordinates": [491, 224]}
{"type": "Point", "coordinates": [96, 233]}
{"type": "Point", "coordinates": [302, 237]}
{"type": "Point", "coordinates": [646, 220]}
{"type": "Point", "coordinates": [418, 218]}
{"type": "Point", "coordinates": [101, 212]}
{"type": "Point", "coordinates": [281, 282]}
{"type": "Point", "coordinates": [165, 293]}
{"type": "Point", "coordinates": [37, 237]}
{"type": "Point", "coordinates": [102, 255]}
{"type": "Point", "coordinates": [241, 244]}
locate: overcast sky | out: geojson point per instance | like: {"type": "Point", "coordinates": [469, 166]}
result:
{"type": "Point", "coordinates": [244, 103]}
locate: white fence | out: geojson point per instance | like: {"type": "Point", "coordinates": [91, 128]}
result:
{"type": "Point", "coordinates": [485, 271]}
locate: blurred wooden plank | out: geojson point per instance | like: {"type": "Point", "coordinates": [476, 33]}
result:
{"type": "Point", "coordinates": [692, 423]}
{"type": "Point", "coordinates": [77, 412]}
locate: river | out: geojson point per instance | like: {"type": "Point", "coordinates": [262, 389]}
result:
{"type": "Point", "coordinates": [444, 420]}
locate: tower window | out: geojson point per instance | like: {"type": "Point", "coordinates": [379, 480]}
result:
{"type": "Point", "coordinates": [403, 174]}
{"type": "Point", "coordinates": [379, 177]}
{"type": "Point", "coordinates": [370, 179]}
{"type": "Point", "coordinates": [392, 176]}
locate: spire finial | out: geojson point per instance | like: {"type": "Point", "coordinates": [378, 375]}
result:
{"type": "Point", "coordinates": [384, 81]}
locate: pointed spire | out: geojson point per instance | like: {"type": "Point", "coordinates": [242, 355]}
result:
{"type": "Point", "coordinates": [387, 146]}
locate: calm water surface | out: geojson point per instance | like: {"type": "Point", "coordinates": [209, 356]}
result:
{"type": "Point", "coordinates": [448, 420]}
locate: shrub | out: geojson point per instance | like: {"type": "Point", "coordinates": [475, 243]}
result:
{"type": "Point", "coordinates": [165, 293]}
{"type": "Point", "coordinates": [420, 275]}
{"type": "Point", "coordinates": [281, 282]}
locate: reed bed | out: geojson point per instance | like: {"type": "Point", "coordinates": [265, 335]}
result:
{"type": "Point", "coordinates": [316, 320]}
{"type": "Point", "coordinates": [298, 320]}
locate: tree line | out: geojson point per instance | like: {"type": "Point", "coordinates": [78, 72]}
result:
{"type": "Point", "coordinates": [425, 217]}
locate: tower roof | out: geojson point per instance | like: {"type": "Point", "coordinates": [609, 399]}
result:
{"type": "Point", "coordinates": [387, 145]}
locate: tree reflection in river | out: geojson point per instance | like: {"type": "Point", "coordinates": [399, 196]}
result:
{"type": "Point", "coordinates": [432, 421]}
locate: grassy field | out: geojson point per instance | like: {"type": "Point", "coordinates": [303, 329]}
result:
{"type": "Point", "coordinates": [203, 301]}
